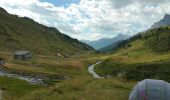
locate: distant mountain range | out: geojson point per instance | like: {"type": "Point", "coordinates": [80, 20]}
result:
{"type": "Point", "coordinates": [164, 22]}
{"type": "Point", "coordinates": [110, 47]}
{"type": "Point", "coordinates": [101, 43]}
{"type": "Point", "coordinates": [22, 33]}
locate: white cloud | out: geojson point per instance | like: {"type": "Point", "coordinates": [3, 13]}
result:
{"type": "Point", "coordinates": [93, 19]}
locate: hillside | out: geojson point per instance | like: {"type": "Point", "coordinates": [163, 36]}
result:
{"type": "Point", "coordinates": [155, 40]}
{"type": "Point", "coordinates": [146, 55]}
{"type": "Point", "coordinates": [22, 33]}
{"type": "Point", "coordinates": [104, 43]}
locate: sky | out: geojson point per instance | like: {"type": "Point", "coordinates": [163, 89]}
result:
{"type": "Point", "coordinates": [64, 3]}
{"type": "Point", "coordinates": [91, 19]}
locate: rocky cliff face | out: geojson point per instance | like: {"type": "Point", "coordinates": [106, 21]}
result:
{"type": "Point", "coordinates": [164, 22]}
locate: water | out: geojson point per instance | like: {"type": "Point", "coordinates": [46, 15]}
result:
{"type": "Point", "coordinates": [91, 70]}
{"type": "Point", "coordinates": [29, 79]}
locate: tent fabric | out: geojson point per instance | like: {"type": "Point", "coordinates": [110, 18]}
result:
{"type": "Point", "coordinates": [149, 89]}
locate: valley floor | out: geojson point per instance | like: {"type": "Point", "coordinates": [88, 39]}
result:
{"type": "Point", "coordinates": [80, 86]}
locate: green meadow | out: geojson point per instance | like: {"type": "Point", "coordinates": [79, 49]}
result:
{"type": "Point", "coordinates": [80, 86]}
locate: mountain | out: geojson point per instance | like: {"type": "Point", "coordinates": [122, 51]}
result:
{"type": "Point", "coordinates": [110, 47]}
{"type": "Point", "coordinates": [22, 33]}
{"type": "Point", "coordinates": [155, 40]}
{"type": "Point", "coordinates": [98, 44]}
{"type": "Point", "coordinates": [164, 22]}
{"type": "Point", "coordinates": [143, 56]}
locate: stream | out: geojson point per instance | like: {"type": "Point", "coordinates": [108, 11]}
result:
{"type": "Point", "coordinates": [29, 79]}
{"type": "Point", "coordinates": [91, 70]}
{"type": "Point", "coordinates": [35, 80]}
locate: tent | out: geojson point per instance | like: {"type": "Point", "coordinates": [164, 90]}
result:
{"type": "Point", "coordinates": [149, 89]}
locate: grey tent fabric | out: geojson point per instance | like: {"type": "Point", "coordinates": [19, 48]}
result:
{"type": "Point", "coordinates": [149, 89]}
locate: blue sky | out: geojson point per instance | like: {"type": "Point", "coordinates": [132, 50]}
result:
{"type": "Point", "coordinates": [91, 19]}
{"type": "Point", "coordinates": [64, 3]}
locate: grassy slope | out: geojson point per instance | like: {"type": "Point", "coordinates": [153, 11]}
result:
{"type": "Point", "coordinates": [18, 33]}
{"type": "Point", "coordinates": [147, 56]}
{"type": "Point", "coordinates": [13, 88]}
{"type": "Point", "coordinates": [85, 88]}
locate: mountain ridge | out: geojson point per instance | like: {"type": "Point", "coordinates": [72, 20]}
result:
{"type": "Point", "coordinates": [155, 40]}
{"type": "Point", "coordinates": [156, 28]}
{"type": "Point", "coordinates": [163, 22]}
{"type": "Point", "coordinates": [102, 43]}
{"type": "Point", "coordinates": [22, 33]}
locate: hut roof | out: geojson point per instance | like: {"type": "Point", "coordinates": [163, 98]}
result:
{"type": "Point", "coordinates": [21, 52]}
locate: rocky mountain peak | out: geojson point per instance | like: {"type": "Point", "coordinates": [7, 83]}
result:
{"type": "Point", "coordinates": [164, 22]}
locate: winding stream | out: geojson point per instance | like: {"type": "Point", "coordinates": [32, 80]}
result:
{"type": "Point", "coordinates": [91, 70]}
{"type": "Point", "coordinates": [35, 80]}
